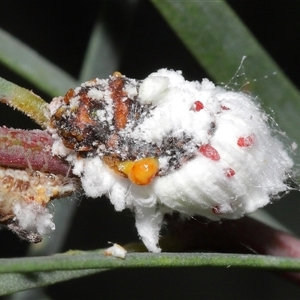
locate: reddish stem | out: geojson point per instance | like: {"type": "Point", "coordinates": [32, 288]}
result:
{"type": "Point", "coordinates": [29, 149]}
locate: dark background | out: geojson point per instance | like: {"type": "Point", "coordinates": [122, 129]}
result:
{"type": "Point", "coordinates": [60, 31]}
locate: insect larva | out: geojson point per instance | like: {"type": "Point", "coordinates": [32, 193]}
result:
{"type": "Point", "coordinates": [165, 144]}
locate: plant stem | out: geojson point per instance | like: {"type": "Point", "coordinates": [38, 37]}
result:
{"type": "Point", "coordinates": [24, 100]}
{"type": "Point", "coordinates": [97, 260]}
{"type": "Point", "coordinates": [29, 149]}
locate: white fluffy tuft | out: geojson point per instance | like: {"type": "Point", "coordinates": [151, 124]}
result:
{"type": "Point", "coordinates": [33, 217]}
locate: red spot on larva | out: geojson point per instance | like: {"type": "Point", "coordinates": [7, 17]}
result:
{"type": "Point", "coordinates": [224, 107]}
{"type": "Point", "coordinates": [209, 152]}
{"type": "Point", "coordinates": [216, 210]}
{"type": "Point", "coordinates": [197, 106]}
{"type": "Point", "coordinates": [246, 141]}
{"type": "Point", "coordinates": [229, 172]}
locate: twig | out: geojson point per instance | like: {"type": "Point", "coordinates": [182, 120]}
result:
{"type": "Point", "coordinates": [29, 149]}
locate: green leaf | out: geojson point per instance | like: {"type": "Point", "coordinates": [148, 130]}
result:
{"type": "Point", "coordinates": [219, 40]}
{"type": "Point", "coordinates": [103, 54]}
{"type": "Point", "coordinates": [22, 273]}
{"type": "Point", "coordinates": [28, 63]}
{"type": "Point", "coordinates": [81, 260]}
